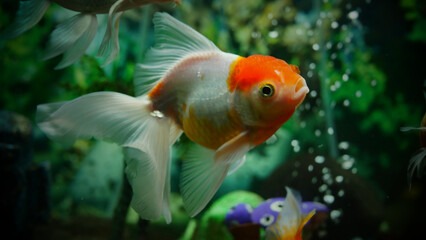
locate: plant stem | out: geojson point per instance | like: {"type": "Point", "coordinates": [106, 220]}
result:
{"type": "Point", "coordinates": [120, 212]}
{"type": "Point", "coordinates": [324, 85]}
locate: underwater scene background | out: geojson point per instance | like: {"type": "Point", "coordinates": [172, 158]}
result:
{"type": "Point", "coordinates": [362, 60]}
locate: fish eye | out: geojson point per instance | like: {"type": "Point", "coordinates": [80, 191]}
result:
{"type": "Point", "coordinates": [267, 220]}
{"type": "Point", "coordinates": [267, 90]}
{"type": "Point", "coordinates": [277, 206]}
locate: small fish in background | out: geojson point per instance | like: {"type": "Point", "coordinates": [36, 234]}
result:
{"type": "Point", "coordinates": [417, 162]}
{"type": "Point", "coordinates": [239, 214]}
{"type": "Point", "coordinates": [74, 36]}
{"type": "Point", "coordinates": [226, 104]}
{"type": "Point", "coordinates": [266, 213]}
{"type": "Point", "coordinates": [290, 221]}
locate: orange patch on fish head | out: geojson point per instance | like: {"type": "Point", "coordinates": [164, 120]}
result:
{"type": "Point", "coordinates": [272, 87]}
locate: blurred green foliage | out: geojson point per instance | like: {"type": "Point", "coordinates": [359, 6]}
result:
{"type": "Point", "coordinates": [416, 12]}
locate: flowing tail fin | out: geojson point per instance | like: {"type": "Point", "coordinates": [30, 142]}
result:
{"type": "Point", "coordinates": [29, 14]}
{"type": "Point", "coordinates": [129, 122]}
{"type": "Point", "coordinates": [110, 46]}
{"type": "Point", "coordinates": [71, 38]}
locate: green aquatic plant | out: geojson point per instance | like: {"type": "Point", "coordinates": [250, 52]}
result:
{"type": "Point", "coordinates": [211, 225]}
{"type": "Point", "coordinates": [416, 12]}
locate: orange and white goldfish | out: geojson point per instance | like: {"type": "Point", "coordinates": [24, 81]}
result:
{"type": "Point", "coordinates": [290, 221]}
{"type": "Point", "coordinates": [226, 104]}
{"type": "Point", "coordinates": [74, 36]}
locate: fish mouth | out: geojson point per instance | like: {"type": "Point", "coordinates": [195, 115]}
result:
{"type": "Point", "coordinates": [300, 90]}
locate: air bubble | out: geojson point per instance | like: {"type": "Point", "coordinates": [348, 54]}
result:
{"type": "Point", "coordinates": [325, 170]}
{"type": "Point", "coordinates": [317, 132]}
{"type": "Point", "coordinates": [307, 106]}
{"type": "Point", "coordinates": [315, 46]}
{"type": "Point", "coordinates": [319, 159]}
{"type": "Point", "coordinates": [353, 15]}
{"type": "Point", "coordinates": [323, 188]}
{"type": "Point", "coordinates": [335, 214]}
{"type": "Point", "coordinates": [255, 34]}
{"type": "Point", "coordinates": [296, 149]}
{"type": "Point", "coordinates": [273, 34]}
{"type": "Point", "coordinates": [339, 179]}
{"type": "Point", "coordinates": [358, 94]}
{"type": "Point", "coordinates": [329, 199]}
{"type": "Point", "coordinates": [344, 145]}
{"type": "Point", "coordinates": [348, 162]}
{"type": "Point", "coordinates": [327, 178]}
{"type": "Point", "coordinates": [337, 84]}
{"type": "Point", "coordinates": [346, 103]}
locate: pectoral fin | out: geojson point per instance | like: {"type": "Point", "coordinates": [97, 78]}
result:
{"type": "Point", "coordinates": [200, 178]}
{"type": "Point", "coordinates": [235, 149]}
{"type": "Point", "coordinates": [204, 170]}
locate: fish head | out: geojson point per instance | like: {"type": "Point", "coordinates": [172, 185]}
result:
{"type": "Point", "coordinates": [268, 89]}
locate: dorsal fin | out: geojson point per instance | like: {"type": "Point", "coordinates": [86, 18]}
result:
{"type": "Point", "coordinates": [173, 41]}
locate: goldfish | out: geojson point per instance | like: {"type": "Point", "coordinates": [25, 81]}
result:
{"type": "Point", "coordinates": [226, 104]}
{"type": "Point", "coordinates": [290, 221]}
{"type": "Point", "coordinates": [74, 36]}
